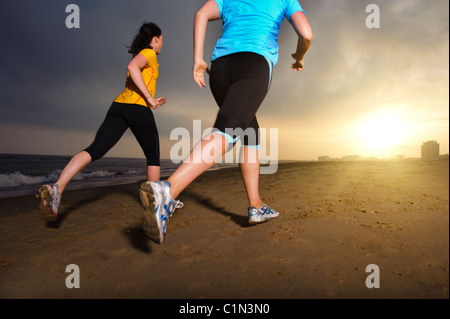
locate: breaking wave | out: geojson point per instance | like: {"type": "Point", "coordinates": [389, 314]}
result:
{"type": "Point", "coordinates": [18, 179]}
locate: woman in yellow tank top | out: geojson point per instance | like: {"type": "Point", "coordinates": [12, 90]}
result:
{"type": "Point", "coordinates": [131, 109]}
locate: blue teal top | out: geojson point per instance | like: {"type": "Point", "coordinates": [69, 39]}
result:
{"type": "Point", "coordinates": [253, 26]}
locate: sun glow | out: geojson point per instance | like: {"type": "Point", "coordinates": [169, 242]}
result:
{"type": "Point", "coordinates": [381, 132]}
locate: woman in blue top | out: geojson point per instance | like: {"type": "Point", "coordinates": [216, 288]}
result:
{"type": "Point", "coordinates": [240, 76]}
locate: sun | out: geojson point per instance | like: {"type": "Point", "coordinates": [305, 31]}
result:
{"type": "Point", "coordinates": [382, 132]}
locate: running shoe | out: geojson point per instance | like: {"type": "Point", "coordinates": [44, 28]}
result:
{"type": "Point", "coordinates": [259, 215]}
{"type": "Point", "coordinates": [159, 207]}
{"type": "Point", "coordinates": [50, 202]}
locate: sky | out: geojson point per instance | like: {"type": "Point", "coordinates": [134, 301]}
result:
{"type": "Point", "coordinates": [373, 92]}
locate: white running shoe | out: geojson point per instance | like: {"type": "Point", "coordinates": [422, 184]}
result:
{"type": "Point", "coordinates": [259, 215]}
{"type": "Point", "coordinates": [159, 207]}
{"type": "Point", "coordinates": [50, 202]}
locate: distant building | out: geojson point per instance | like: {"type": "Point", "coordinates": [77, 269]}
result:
{"type": "Point", "coordinates": [430, 151]}
{"type": "Point", "coordinates": [326, 158]}
{"type": "Point", "coordinates": [351, 158]}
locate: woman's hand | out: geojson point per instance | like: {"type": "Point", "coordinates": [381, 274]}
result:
{"type": "Point", "coordinates": [299, 63]}
{"type": "Point", "coordinates": [155, 103]}
{"type": "Point", "coordinates": [199, 73]}
{"type": "Point", "coordinates": [161, 100]}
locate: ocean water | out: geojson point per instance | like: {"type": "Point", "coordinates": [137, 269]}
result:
{"type": "Point", "coordinates": [22, 175]}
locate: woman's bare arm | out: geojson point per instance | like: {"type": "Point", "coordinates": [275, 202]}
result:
{"type": "Point", "coordinates": [305, 36]}
{"type": "Point", "coordinates": [209, 12]}
{"type": "Point", "coordinates": [135, 67]}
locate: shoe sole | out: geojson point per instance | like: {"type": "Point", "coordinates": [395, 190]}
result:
{"type": "Point", "coordinates": [254, 222]}
{"type": "Point", "coordinates": [151, 226]}
{"type": "Point", "coordinates": [45, 209]}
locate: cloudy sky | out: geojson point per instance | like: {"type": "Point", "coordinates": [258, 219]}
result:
{"type": "Point", "coordinates": [373, 92]}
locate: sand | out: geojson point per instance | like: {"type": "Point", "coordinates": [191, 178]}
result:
{"type": "Point", "coordinates": [336, 218]}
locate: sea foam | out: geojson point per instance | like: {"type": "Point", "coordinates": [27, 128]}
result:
{"type": "Point", "coordinates": [19, 179]}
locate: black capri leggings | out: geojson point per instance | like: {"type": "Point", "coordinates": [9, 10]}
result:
{"type": "Point", "coordinates": [239, 83]}
{"type": "Point", "coordinates": [119, 118]}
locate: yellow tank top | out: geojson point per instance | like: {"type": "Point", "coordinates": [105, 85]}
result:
{"type": "Point", "coordinates": [131, 94]}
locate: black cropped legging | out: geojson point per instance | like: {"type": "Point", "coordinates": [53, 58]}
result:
{"type": "Point", "coordinates": [119, 118]}
{"type": "Point", "coordinates": [239, 83]}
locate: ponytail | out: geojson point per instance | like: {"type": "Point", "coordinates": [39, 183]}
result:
{"type": "Point", "coordinates": [144, 37]}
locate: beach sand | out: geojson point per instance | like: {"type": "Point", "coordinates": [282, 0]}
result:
{"type": "Point", "coordinates": [336, 218]}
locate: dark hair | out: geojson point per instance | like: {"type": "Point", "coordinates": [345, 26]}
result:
{"type": "Point", "coordinates": [144, 37]}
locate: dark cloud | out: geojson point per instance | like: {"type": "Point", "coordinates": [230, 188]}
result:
{"type": "Point", "coordinates": [68, 77]}
{"type": "Point", "coordinates": [349, 62]}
